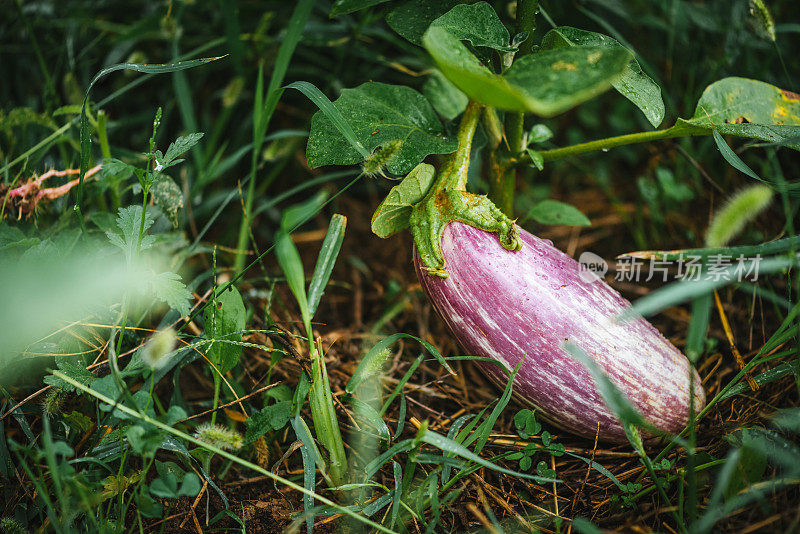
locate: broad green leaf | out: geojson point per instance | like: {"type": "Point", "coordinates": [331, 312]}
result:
{"type": "Point", "coordinates": [555, 80]}
{"type": "Point", "coordinates": [747, 108]}
{"type": "Point", "coordinates": [75, 368]}
{"type": "Point", "coordinates": [410, 19]}
{"type": "Point", "coordinates": [325, 261]}
{"type": "Point", "coordinates": [446, 98]}
{"type": "Point", "coordinates": [342, 7]}
{"type": "Point", "coordinates": [167, 196]}
{"type": "Point", "coordinates": [394, 212]}
{"type": "Point", "coordinates": [545, 83]}
{"type": "Point", "coordinates": [752, 462]}
{"type": "Point", "coordinates": [536, 158]}
{"type": "Point", "coordinates": [272, 417]}
{"type": "Point", "coordinates": [634, 84]}
{"type": "Point", "coordinates": [168, 287]}
{"type": "Point", "coordinates": [326, 107]}
{"type": "Point", "coordinates": [129, 221]}
{"type": "Point", "coordinates": [555, 212]}
{"type": "Point", "coordinates": [467, 73]}
{"type": "Point", "coordinates": [539, 133]}
{"type": "Point", "coordinates": [477, 23]}
{"type": "Point", "coordinates": [379, 113]}
{"type": "Point", "coordinates": [225, 319]}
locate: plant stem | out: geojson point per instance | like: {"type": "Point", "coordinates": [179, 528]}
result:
{"type": "Point", "coordinates": [611, 142]}
{"type": "Point", "coordinates": [454, 173]}
{"type": "Point", "coordinates": [526, 22]}
{"type": "Point", "coordinates": [502, 178]}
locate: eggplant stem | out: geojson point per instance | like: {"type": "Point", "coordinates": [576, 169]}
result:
{"type": "Point", "coordinates": [448, 200]}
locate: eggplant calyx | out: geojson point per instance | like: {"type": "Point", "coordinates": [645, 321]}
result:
{"type": "Point", "coordinates": [430, 217]}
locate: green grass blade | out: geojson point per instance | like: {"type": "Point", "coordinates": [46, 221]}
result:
{"type": "Point", "coordinates": [225, 454]}
{"type": "Point", "coordinates": [325, 261]}
{"type": "Point", "coordinates": [262, 114]}
{"type": "Point", "coordinates": [292, 267]}
{"type": "Point", "coordinates": [85, 135]}
{"type": "Point", "coordinates": [448, 445]}
{"type": "Point", "coordinates": [333, 114]}
{"type": "Point", "coordinates": [731, 157]}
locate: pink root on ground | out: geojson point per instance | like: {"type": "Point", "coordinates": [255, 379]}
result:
{"type": "Point", "coordinates": [34, 186]}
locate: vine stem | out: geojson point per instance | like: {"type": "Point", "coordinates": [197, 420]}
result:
{"type": "Point", "coordinates": [454, 173]}
{"type": "Point", "coordinates": [502, 178]}
{"type": "Point", "coordinates": [611, 142]}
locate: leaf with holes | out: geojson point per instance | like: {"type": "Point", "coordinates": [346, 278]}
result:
{"type": "Point", "coordinates": [746, 108]}
{"type": "Point", "coordinates": [167, 196]}
{"type": "Point", "coordinates": [477, 23]}
{"type": "Point", "coordinates": [634, 84]}
{"type": "Point", "coordinates": [546, 83]}
{"type": "Point", "coordinates": [379, 114]}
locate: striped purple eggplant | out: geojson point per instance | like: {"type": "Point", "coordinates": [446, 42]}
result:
{"type": "Point", "coordinates": [510, 305]}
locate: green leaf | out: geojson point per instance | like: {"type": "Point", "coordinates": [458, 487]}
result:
{"type": "Point", "coordinates": [129, 221]}
{"type": "Point", "coordinates": [584, 526]}
{"type": "Point", "coordinates": [446, 98]}
{"type": "Point", "coordinates": [272, 417]}
{"type": "Point", "coordinates": [555, 212]}
{"type": "Point", "coordinates": [225, 319]}
{"type": "Point", "coordinates": [333, 114]}
{"type": "Point", "coordinates": [634, 84]}
{"type": "Point", "coordinates": [367, 414]}
{"type": "Point", "coordinates": [748, 108]}
{"type": "Point", "coordinates": [342, 7]}
{"type": "Point", "coordinates": [477, 23]}
{"type": "Point", "coordinates": [297, 214]}
{"type": "Point", "coordinates": [325, 261]}
{"type": "Point", "coordinates": [167, 196]}
{"type": "Point", "coordinates": [536, 158]}
{"type": "Point", "coordinates": [394, 212]}
{"type": "Point", "coordinates": [684, 290]}
{"type": "Point", "coordinates": [85, 136]}
{"type": "Point", "coordinates": [539, 134]}
{"type": "Point", "coordinates": [75, 368]}
{"type": "Point", "coordinates": [179, 147]}
{"type": "Point", "coordinates": [168, 287]}
{"type": "Point", "coordinates": [752, 462]}
{"type": "Point", "coordinates": [545, 83]}
{"type": "Point", "coordinates": [411, 19]}
{"type": "Point", "coordinates": [292, 267]}
{"type": "Point", "coordinates": [379, 114]}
